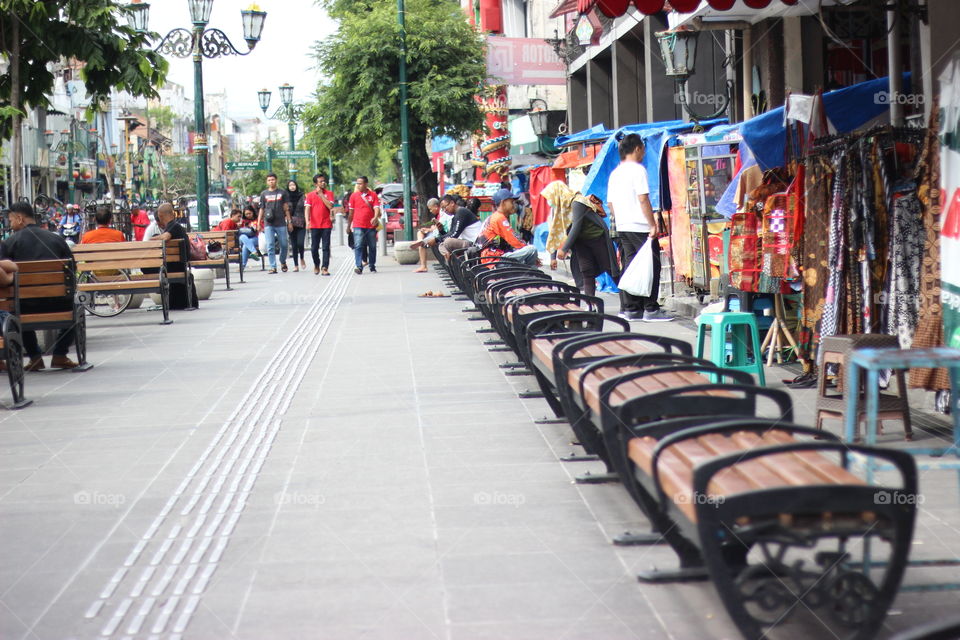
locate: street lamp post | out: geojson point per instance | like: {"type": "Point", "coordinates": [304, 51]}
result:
{"type": "Point", "coordinates": [199, 43]}
{"type": "Point", "coordinates": [288, 111]}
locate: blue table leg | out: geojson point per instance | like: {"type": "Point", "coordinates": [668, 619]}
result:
{"type": "Point", "coordinates": [852, 390]}
{"type": "Point", "coordinates": [873, 406]}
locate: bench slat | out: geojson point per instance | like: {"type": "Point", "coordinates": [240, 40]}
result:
{"type": "Point", "coordinates": [44, 291]}
{"type": "Point", "coordinates": [119, 286]}
{"type": "Point", "coordinates": [57, 316]}
{"type": "Point", "coordinates": [132, 263]}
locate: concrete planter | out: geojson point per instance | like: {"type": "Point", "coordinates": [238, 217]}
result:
{"type": "Point", "coordinates": [136, 300]}
{"type": "Point", "coordinates": [404, 254]}
{"type": "Point", "coordinates": [203, 280]}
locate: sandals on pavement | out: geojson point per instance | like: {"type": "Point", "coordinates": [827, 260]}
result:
{"type": "Point", "coordinates": [433, 294]}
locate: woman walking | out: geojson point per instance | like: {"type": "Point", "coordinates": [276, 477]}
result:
{"type": "Point", "coordinates": [299, 232]}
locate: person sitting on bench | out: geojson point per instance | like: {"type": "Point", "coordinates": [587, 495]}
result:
{"type": "Point", "coordinates": [497, 236]}
{"type": "Point", "coordinates": [464, 228]}
{"type": "Point", "coordinates": [428, 236]}
{"type": "Point", "coordinates": [30, 242]}
{"type": "Point", "coordinates": [103, 232]}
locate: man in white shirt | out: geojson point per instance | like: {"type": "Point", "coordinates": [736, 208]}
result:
{"type": "Point", "coordinates": [628, 197]}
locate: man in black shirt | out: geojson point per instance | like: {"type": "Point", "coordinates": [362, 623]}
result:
{"type": "Point", "coordinates": [180, 293]}
{"type": "Point", "coordinates": [30, 242]}
{"type": "Point", "coordinates": [464, 228]}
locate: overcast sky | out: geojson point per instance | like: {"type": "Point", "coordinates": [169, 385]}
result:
{"type": "Point", "coordinates": [283, 54]}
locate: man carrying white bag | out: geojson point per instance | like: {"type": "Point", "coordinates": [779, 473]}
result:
{"type": "Point", "coordinates": [628, 197]}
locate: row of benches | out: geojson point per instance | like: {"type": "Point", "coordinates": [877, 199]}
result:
{"type": "Point", "coordinates": [105, 268]}
{"type": "Point", "coordinates": [769, 511]}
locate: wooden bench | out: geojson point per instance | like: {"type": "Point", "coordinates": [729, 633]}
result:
{"type": "Point", "coordinates": [228, 240]}
{"type": "Point", "coordinates": [52, 284]}
{"type": "Point", "coordinates": [109, 268]}
{"type": "Point", "coordinates": [11, 346]}
{"type": "Point", "coordinates": [770, 519]}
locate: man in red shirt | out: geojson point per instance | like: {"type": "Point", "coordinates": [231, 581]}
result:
{"type": "Point", "coordinates": [232, 223]}
{"type": "Point", "coordinates": [363, 219]}
{"type": "Point", "coordinates": [319, 210]}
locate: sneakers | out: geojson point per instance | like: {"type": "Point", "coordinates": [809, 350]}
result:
{"type": "Point", "coordinates": [632, 316]}
{"type": "Point", "coordinates": [357, 270]}
{"type": "Point", "coordinates": [656, 316]}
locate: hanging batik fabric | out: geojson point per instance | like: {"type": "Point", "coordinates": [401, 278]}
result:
{"type": "Point", "coordinates": [834, 296]}
{"type": "Point", "coordinates": [905, 256]}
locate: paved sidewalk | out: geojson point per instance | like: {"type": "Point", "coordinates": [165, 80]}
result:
{"type": "Point", "coordinates": [310, 457]}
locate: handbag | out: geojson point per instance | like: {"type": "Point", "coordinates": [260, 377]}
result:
{"type": "Point", "coordinates": [270, 216]}
{"type": "Point", "coordinates": [198, 248]}
{"type": "Point", "coordinates": [298, 222]}
{"type": "Point", "coordinates": [214, 250]}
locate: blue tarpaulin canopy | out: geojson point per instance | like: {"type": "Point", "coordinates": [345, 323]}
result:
{"type": "Point", "coordinates": [655, 136]}
{"type": "Point", "coordinates": [847, 109]}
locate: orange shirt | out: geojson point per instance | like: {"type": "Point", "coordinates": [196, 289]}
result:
{"type": "Point", "coordinates": [103, 234]}
{"type": "Point", "coordinates": [498, 225]}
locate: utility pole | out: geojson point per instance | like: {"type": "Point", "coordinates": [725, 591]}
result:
{"type": "Point", "coordinates": [16, 171]}
{"type": "Point", "coordinates": [404, 125]}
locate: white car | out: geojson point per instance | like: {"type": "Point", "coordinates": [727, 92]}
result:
{"type": "Point", "coordinates": [219, 208]}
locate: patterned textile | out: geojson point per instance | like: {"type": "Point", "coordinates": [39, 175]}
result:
{"type": "Point", "coordinates": [905, 254]}
{"type": "Point", "coordinates": [816, 246]}
{"type": "Point", "coordinates": [834, 295]}
{"type": "Point", "coordinates": [930, 327]}
{"type": "Point", "coordinates": [560, 198]}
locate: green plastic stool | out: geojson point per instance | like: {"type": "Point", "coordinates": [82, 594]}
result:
{"type": "Point", "coordinates": [742, 327]}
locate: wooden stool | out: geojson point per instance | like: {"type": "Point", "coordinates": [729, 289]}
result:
{"type": "Point", "coordinates": [837, 350]}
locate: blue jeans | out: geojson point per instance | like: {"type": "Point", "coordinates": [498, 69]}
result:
{"type": "Point", "coordinates": [526, 255]}
{"type": "Point", "coordinates": [279, 233]}
{"type": "Point", "coordinates": [248, 245]}
{"type": "Point", "coordinates": [365, 238]}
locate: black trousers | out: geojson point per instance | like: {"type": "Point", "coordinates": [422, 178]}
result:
{"type": "Point", "coordinates": [630, 243]}
{"type": "Point", "coordinates": [316, 237]}
{"type": "Point", "coordinates": [297, 238]}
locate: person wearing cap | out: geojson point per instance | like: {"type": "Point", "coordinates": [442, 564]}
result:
{"type": "Point", "coordinates": [497, 234]}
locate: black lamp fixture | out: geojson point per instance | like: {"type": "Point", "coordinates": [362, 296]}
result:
{"type": "Point", "coordinates": [264, 97]}
{"type": "Point", "coordinates": [678, 47]}
{"type": "Point", "coordinates": [538, 116]}
{"type": "Point", "coordinates": [138, 14]}
{"type": "Point", "coordinates": [286, 94]}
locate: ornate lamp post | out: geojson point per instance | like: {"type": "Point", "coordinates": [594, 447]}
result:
{"type": "Point", "coordinates": [679, 51]}
{"type": "Point", "coordinates": [199, 42]}
{"type": "Point", "coordinates": [287, 111]}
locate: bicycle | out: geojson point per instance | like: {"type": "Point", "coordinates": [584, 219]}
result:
{"type": "Point", "coordinates": [104, 304]}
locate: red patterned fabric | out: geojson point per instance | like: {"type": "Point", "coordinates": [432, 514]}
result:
{"type": "Point", "coordinates": [540, 178]}
{"type": "Point", "coordinates": [616, 8]}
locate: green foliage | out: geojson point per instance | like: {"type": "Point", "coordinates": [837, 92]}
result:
{"type": "Point", "coordinates": [358, 107]}
{"type": "Point", "coordinates": [181, 174]}
{"type": "Point", "coordinates": [94, 32]}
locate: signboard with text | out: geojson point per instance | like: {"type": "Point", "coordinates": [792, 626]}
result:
{"type": "Point", "coordinates": [523, 61]}
{"type": "Point", "coordinates": [297, 153]}
{"type": "Point", "coordinates": [247, 165]}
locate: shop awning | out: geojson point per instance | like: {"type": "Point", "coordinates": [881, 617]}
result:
{"type": "Point", "coordinates": [565, 6]}
{"type": "Point", "coordinates": [616, 8]}
{"type": "Point", "coordinates": [576, 158]}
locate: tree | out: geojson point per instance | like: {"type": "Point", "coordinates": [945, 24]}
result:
{"type": "Point", "coordinates": [358, 106]}
{"type": "Point", "coordinates": [36, 35]}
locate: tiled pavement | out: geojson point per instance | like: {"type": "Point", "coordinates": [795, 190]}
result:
{"type": "Point", "coordinates": [311, 457]}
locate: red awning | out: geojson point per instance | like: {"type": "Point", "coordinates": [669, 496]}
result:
{"type": "Point", "coordinates": [564, 7]}
{"type": "Point", "coordinates": [616, 8]}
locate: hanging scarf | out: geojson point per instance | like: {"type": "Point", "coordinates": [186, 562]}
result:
{"type": "Point", "coordinates": [907, 237]}
{"type": "Point", "coordinates": [833, 298]}
{"type": "Point", "coordinates": [560, 197]}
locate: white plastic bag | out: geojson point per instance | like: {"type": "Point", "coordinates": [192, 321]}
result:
{"type": "Point", "coordinates": [638, 277]}
{"type": "Point", "coordinates": [262, 243]}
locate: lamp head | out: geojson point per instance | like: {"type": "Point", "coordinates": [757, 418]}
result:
{"type": "Point", "coordinates": [138, 15]}
{"type": "Point", "coordinates": [48, 138]}
{"type": "Point", "coordinates": [264, 97]}
{"type": "Point", "coordinates": [679, 51]}
{"type": "Point", "coordinates": [538, 116]}
{"type": "Point", "coordinates": [253, 19]}
{"type": "Point", "coordinates": [200, 12]}
{"type": "Point", "coordinates": [286, 94]}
